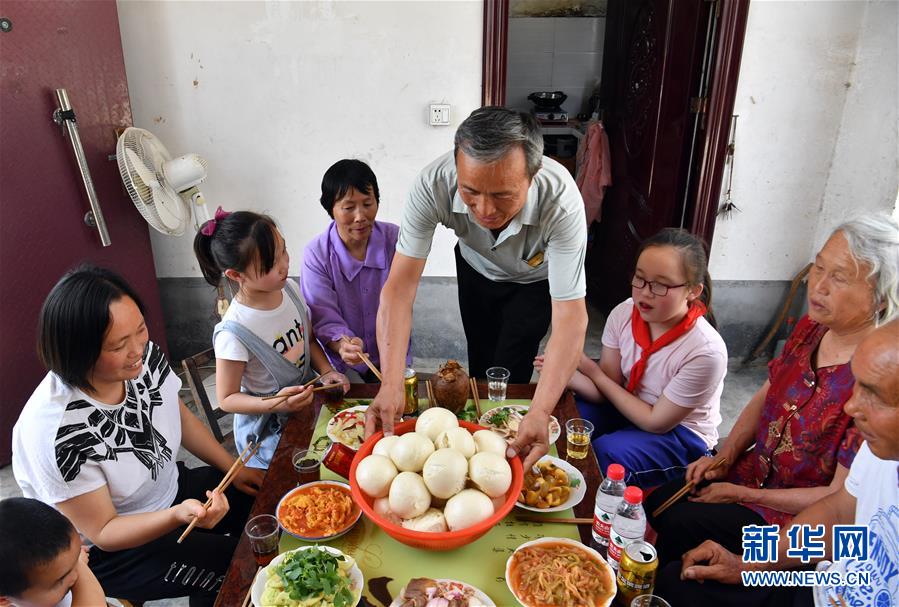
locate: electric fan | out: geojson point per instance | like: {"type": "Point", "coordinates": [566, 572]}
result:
{"type": "Point", "coordinates": [164, 189]}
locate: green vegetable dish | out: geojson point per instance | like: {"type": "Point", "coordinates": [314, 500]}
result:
{"type": "Point", "coordinates": [310, 578]}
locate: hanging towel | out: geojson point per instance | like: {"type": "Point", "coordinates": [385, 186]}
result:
{"type": "Point", "coordinates": [594, 169]}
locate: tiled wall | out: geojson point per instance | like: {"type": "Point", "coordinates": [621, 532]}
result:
{"type": "Point", "coordinates": [554, 54]}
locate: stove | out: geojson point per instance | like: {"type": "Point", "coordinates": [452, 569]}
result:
{"type": "Point", "coordinates": [551, 115]}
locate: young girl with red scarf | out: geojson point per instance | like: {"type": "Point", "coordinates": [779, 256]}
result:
{"type": "Point", "coordinates": [654, 396]}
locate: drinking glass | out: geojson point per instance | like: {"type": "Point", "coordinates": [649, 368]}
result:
{"type": "Point", "coordinates": [497, 380]}
{"type": "Point", "coordinates": [306, 462]}
{"type": "Point", "coordinates": [649, 600]}
{"type": "Point", "coordinates": [264, 533]}
{"type": "Point", "coordinates": [577, 433]}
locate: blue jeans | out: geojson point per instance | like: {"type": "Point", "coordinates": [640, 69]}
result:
{"type": "Point", "coordinates": [649, 459]}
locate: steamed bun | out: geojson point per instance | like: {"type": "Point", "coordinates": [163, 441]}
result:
{"type": "Point", "coordinates": [467, 508]}
{"type": "Point", "coordinates": [374, 475]}
{"type": "Point", "coordinates": [410, 451]}
{"type": "Point", "coordinates": [490, 472]}
{"type": "Point", "coordinates": [444, 473]}
{"type": "Point", "coordinates": [434, 421]}
{"type": "Point", "coordinates": [409, 496]}
{"type": "Point", "coordinates": [459, 439]}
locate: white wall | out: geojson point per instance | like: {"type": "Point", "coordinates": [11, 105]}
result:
{"type": "Point", "coordinates": [816, 134]}
{"type": "Point", "coordinates": [272, 93]}
{"type": "Point", "coordinates": [552, 54]}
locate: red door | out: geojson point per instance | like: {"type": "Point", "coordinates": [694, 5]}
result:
{"type": "Point", "coordinates": [76, 46]}
{"type": "Point", "coordinates": [652, 66]}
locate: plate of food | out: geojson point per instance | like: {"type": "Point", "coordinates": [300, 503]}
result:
{"type": "Point", "coordinates": [309, 575]}
{"type": "Point", "coordinates": [580, 575]}
{"type": "Point", "coordinates": [555, 485]}
{"type": "Point", "coordinates": [422, 591]}
{"type": "Point", "coordinates": [318, 511]}
{"type": "Point", "coordinates": [348, 427]}
{"type": "Point", "coordinates": [505, 419]}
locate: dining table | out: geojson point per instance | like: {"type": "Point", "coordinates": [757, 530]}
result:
{"type": "Point", "coordinates": [282, 477]}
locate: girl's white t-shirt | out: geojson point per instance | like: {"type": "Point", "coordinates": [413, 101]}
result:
{"type": "Point", "coordinates": [282, 328]}
{"type": "Point", "coordinates": [66, 444]}
{"type": "Point", "coordinates": [689, 371]}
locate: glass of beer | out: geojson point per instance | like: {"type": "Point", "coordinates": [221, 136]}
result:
{"type": "Point", "coordinates": [264, 533]}
{"type": "Point", "coordinates": [497, 380]}
{"type": "Point", "coordinates": [577, 432]}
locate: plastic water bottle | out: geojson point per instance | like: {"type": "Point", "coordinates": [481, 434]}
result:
{"type": "Point", "coordinates": [608, 497]}
{"type": "Point", "coordinates": [629, 524]}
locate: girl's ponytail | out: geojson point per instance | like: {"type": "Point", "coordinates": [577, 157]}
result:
{"type": "Point", "coordinates": [203, 250]}
{"type": "Point", "coordinates": [706, 298]}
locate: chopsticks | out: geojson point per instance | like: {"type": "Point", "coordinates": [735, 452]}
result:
{"type": "Point", "coordinates": [283, 398]}
{"type": "Point", "coordinates": [686, 489]}
{"type": "Point", "coordinates": [246, 599]}
{"type": "Point", "coordinates": [366, 360]}
{"type": "Point", "coordinates": [430, 388]}
{"type": "Point", "coordinates": [833, 602]}
{"type": "Point", "coordinates": [567, 521]}
{"type": "Point", "coordinates": [239, 463]}
{"type": "Point", "coordinates": [474, 394]}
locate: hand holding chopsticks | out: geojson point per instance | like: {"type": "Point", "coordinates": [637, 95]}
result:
{"type": "Point", "coordinates": [365, 359]}
{"type": "Point", "coordinates": [685, 490]}
{"type": "Point", "coordinates": [239, 463]}
{"type": "Point", "coordinates": [282, 398]}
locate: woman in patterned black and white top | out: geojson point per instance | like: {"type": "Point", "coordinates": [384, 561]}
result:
{"type": "Point", "coordinates": [98, 439]}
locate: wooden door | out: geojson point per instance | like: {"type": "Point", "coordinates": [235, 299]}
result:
{"type": "Point", "coordinates": [652, 65]}
{"type": "Point", "coordinates": [76, 46]}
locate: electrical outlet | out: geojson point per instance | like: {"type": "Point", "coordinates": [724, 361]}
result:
{"type": "Point", "coordinates": [439, 114]}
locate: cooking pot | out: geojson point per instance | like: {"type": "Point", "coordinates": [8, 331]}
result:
{"type": "Point", "coordinates": [547, 99]}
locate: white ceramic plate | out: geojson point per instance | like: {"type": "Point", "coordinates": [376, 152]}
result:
{"type": "Point", "coordinates": [562, 540]}
{"type": "Point", "coordinates": [478, 594]}
{"type": "Point", "coordinates": [359, 410]}
{"type": "Point", "coordinates": [555, 430]}
{"type": "Point", "coordinates": [577, 492]}
{"type": "Point", "coordinates": [323, 538]}
{"type": "Point", "coordinates": [356, 578]}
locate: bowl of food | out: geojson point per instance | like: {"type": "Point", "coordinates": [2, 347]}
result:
{"type": "Point", "coordinates": [504, 420]}
{"type": "Point", "coordinates": [552, 485]}
{"type": "Point", "coordinates": [318, 511]}
{"type": "Point", "coordinates": [587, 579]}
{"type": "Point", "coordinates": [427, 591]}
{"type": "Point", "coordinates": [438, 483]}
{"type": "Point", "coordinates": [315, 574]}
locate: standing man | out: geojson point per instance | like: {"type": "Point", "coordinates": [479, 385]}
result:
{"type": "Point", "coordinates": [522, 236]}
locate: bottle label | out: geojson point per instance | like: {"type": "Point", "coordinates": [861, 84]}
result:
{"type": "Point", "coordinates": [617, 544]}
{"type": "Point", "coordinates": [602, 524]}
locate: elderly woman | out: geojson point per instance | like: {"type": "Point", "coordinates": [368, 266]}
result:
{"type": "Point", "coordinates": [803, 441]}
{"type": "Point", "coordinates": [345, 267]}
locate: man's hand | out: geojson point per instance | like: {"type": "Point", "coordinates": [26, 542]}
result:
{"type": "Point", "coordinates": [719, 493]}
{"type": "Point", "coordinates": [533, 438]}
{"type": "Point", "coordinates": [249, 480]}
{"type": "Point", "coordinates": [721, 565]}
{"type": "Point", "coordinates": [385, 410]}
{"type": "Point", "coordinates": [350, 349]}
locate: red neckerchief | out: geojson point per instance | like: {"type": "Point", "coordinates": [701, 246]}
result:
{"type": "Point", "coordinates": [640, 330]}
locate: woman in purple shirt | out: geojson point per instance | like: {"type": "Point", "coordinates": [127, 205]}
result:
{"type": "Point", "coordinates": [345, 267]}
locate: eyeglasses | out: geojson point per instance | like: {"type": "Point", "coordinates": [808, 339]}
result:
{"type": "Point", "coordinates": [656, 288]}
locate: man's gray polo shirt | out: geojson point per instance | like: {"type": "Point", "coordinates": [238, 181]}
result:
{"type": "Point", "coordinates": [552, 222]}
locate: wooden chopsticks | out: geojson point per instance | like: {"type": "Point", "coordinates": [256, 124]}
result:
{"type": "Point", "coordinates": [431, 401]}
{"type": "Point", "coordinates": [366, 360]}
{"type": "Point", "coordinates": [281, 398]}
{"type": "Point", "coordinates": [246, 599]}
{"type": "Point", "coordinates": [474, 395]}
{"type": "Point", "coordinates": [567, 521]}
{"type": "Point", "coordinates": [833, 602]}
{"type": "Point", "coordinates": [239, 463]}
{"type": "Point", "coordinates": [686, 489]}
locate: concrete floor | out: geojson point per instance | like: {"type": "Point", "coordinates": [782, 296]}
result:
{"type": "Point", "coordinates": [739, 385]}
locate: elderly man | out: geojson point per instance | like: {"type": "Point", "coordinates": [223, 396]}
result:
{"type": "Point", "coordinates": [522, 236]}
{"type": "Point", "coordinates": [869, 496]}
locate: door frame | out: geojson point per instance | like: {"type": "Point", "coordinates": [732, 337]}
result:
{"type": "Point", "coordinates": [733, 15]}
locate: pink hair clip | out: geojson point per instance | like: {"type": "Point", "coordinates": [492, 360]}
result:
{"type": "Point", "coordinates": [209, 227]}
